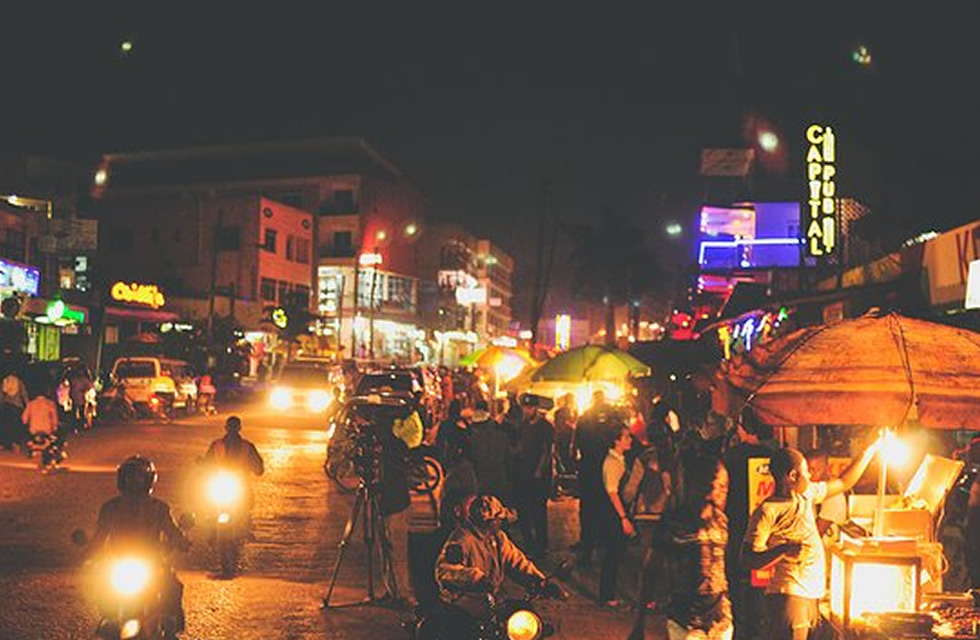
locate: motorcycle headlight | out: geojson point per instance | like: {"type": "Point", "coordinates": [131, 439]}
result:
{"type": "Point", "coordinates": [280, 398]}
{"type": "Point", "coordinates": [524, 625]}
{"type": "Point", "coordinates": [130, 629]}
{"type": "Point", "coordinates": [224, 488]}
{"type": "Point", "coordinates": [318, 401]}
{"type": "Point", "coordinates": [130, 576]}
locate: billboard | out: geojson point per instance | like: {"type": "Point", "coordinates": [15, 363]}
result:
{"type": "Point", "coordinates": [19, 278]}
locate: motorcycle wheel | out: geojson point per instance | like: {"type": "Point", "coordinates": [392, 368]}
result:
{"type": "Point", "coordinates": [229, 550]}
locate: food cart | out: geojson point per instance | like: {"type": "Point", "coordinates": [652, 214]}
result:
{"type": "Point", "coordinates": [886, 581]}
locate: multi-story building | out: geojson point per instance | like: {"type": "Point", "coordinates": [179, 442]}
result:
{"type": "Point", "coordinates": [248, 251]}
{"type": "Point", "coordinates": [354, 200]}
{"type": "Point", "coordinates": [495, 268]}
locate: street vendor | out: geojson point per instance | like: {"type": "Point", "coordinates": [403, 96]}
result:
{"type": "Point", "coordinates": [782, 533]}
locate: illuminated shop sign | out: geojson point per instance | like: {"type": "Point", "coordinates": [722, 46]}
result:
{"type": "Point", "coordinates": [19, 278]}
{"type": "Point", "coordinates": [820, 222]}
{"type": "Point", "coordinates": [135, 293]}
{"type": "Point", "coordinates": [331, 284]}
{"type": "Point", "coordinates": [563, 331]}
{"type": "Point", "coordinates": [741, 336]}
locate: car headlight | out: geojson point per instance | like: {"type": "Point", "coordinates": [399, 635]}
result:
{"type": "Point", "coordinates": [224, 488]}
{"type": "Point", "coordinates": [524, 625]}
{"type": "Point", "coordinates": [280, 398]}
{"type": "Point", "coordinates": [318, 401]}
{"type": "Point", "coordinates": [130, 576]}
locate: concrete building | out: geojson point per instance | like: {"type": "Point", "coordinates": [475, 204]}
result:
{"type": "Point", "coordinates": [330, 200]}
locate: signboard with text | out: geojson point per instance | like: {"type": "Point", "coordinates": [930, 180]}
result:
{"type": "Point", "coordinates": [820, 223]}
{"type": "Point", "coordinates": [761, 486]}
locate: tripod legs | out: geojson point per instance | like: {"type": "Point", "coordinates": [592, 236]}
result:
{"type": "Point", "coordinates": [366, 507]}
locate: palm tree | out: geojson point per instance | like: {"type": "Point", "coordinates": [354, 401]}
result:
{"type": "Point", "coordinates": [612, 265]}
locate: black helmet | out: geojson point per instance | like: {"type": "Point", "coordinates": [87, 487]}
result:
{"type": "Point", "coordinates": [233, 424]}
{"type": "Point", "coordinates": [136, 476]}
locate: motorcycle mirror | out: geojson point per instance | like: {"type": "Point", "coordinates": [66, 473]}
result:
{"type": "Point", "coordinates": [79, 538]}
{"type": "Point", "coordinates": [186, 521]}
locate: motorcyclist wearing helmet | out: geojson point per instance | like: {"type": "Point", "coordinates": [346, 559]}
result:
{"type": "Point", "coordinates": [235, 451]}
{"type": "Point", "coordinates": [135, 518]}
{"type": "Point", "coordinates": [478, 555]}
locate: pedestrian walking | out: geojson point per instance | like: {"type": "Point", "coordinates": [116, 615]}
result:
{"type": "Point", "coordinates": [748, 602]}
{"type": "Point", "coordinates": [616, 526]}
{"type": "Point", "coordinates": [535, 447]}
{"type": "Point", "coordinates": [12, 403]}
{"type": "Point", "coordinates": [565, 418]}
{"type": "Point", "coordinates": [692, 540]}
{"type": "Point", "coordinates": [590, 443]}
{"type": "Point", "coordinates": [489, 449]}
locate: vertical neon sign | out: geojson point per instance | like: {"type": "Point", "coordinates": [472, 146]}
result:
{"type": "Point", "coordinates": [821, 223]}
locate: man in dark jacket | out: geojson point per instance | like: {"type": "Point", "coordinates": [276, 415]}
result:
{"type": "Point", "coordinates": [489, 450]}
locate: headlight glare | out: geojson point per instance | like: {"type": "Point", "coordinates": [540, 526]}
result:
{"type": "Point", "coordinates": [130, 576]}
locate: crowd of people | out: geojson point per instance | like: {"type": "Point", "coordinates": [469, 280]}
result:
{"type": "Point", "coordinates": [681, 491]}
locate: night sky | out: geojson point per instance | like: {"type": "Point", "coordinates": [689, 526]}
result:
{"type": "Point", "coordinates": [482, 104]}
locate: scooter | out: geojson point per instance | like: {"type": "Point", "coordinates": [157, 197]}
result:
{"type": "Point", "coordinates": [49, 449]}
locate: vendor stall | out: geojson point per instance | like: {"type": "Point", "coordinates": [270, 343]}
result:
{"type": "Point", "coordinates": [901, 376]}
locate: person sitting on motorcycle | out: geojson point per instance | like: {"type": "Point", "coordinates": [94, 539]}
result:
{"type": "Point", "coordinates": [135, 518]}
{"type": "Point", "coordinates": [475, 559]}
{"type": "Point", "coordinates": [235, 451]}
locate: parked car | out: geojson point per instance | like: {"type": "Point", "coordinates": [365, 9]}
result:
{"type": "Point", "coordinates": [144, 378]}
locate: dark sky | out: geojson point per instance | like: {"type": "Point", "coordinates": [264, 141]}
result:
{"type": "Point", "coordinates": [481, 103]}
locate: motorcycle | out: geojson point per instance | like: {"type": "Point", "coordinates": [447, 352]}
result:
{"type": "Point", "coordinates": [133, 586]}
{"type": "Point", "coordinates": [117, 404]}
{"type": "Point", "coordinates": [504, 619]}
{"type": "Point", "coordinates": [49, 449]}
{"type": "Point", "coordinates": [227, 496]}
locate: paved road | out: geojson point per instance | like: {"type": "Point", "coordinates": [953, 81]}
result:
{"type": "Point", "coordinates": [298, 519]}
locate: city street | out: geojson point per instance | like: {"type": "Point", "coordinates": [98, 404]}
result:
{"type": "Point", "coordinates": [298, 520]}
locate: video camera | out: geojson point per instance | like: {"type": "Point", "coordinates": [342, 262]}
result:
{"type": "Point", "coordinates": [368, 422]}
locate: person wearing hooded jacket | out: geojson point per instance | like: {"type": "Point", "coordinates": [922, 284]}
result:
{"type": "Point", "coordinates": [476, 558]}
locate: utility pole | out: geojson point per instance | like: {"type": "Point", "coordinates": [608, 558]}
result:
{"type": "Point", "coordinates": [374, 284]}
{"type": "Point", "coordinates": [214, 273]}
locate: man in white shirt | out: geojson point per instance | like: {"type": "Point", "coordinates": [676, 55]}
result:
{"type": "Point", "coordinates": [782, 534]}
{"type": "Point", "coordinates": [616, 525]}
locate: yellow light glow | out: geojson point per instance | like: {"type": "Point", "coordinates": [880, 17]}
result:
{"type": "Point", "coordinates": [881, 587]}
{"type": "Point", "coordinates": [224, 488]}
{"type": "Point", "coordinates": [281, 398]}
{"type": "Point", "coordinates": [101, 177]}
{"type": "Point", "coordinates": [523, 625]}
{"type": "Point", "coordinates": [130, 576]}
{"type": "Point", "coordinates": [126, 46]}
{"type": "Point", "coordinates": [894, 451]}
{"type": "Point", "coordinates": [318, 401]}
{"type": "Point", "coordinates": [508, 367]}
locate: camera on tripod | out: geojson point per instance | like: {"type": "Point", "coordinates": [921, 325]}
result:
{"type": "Point", "coordinates": [369, 425]}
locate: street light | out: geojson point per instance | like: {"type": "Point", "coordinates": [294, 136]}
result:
{"type": "Point", "coordinates": [674, 229]}
{"type": "Point", "coordinates": [769, 141]}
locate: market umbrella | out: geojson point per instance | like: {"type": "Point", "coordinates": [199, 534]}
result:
{"type": "Point", "coordinates": [590, 363]}
{"type": "Point", "coordinates": [874, 370]}
{"type": "Point", "coordinates": [490, 356]}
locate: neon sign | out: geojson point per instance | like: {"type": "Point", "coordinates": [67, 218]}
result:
{"type": "Point", "coordinates": [135, 293]}
{"type": "Point", "coordinates": [741, 336]}
{"type": "Point", "coordinates": [821, 221]}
